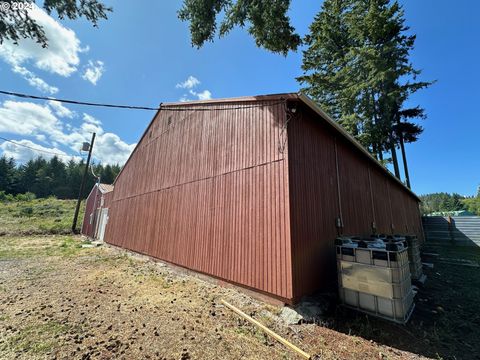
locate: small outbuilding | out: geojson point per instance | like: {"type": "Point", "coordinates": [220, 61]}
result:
{"type": "Point", "coordinates": [96, 211]}
{"type": "Point", "coordinates": [254, 191]}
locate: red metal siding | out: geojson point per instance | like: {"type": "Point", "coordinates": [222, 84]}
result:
{"type": "Point", "coordinates": [314, 204]}
{"type": "Point", "coordinates": [208, 190]}
{"type": "Point", "coordinates": [355, 191]}
{"type": "Point", "coordinates": [381, 204]}
{"type": "Point", "coordinates": [363, 194]}
{"type": "Point", "coordinates": [414, 219]}
{"type": "Point", "coordinates": [107, 199]}
{"type": "Point", "coordinates": [92, 202]}
{"type": "Point", "coordinates": [213, 191]}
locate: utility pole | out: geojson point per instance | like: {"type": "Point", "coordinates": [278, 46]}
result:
{"type": "Point", "coordinates": [82, 185]}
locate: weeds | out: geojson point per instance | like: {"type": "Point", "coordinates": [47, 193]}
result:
{"type": "Point", "coordinates": [36, 339]}
{"type": "Point", "coordinates": [30, 216]}
{"type": "Point", "coordinates": [30, 247]}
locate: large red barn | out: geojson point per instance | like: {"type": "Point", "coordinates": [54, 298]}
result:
{"type": "Point", "coordinates": [252, 190]}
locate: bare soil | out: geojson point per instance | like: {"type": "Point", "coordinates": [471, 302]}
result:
{"type": "Point", "coordinates": [61, 301]}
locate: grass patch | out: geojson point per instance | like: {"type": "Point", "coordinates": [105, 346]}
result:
{"type": "Point", "coordinates": [113, 259]}
{"type": "Point", "coordinates": [37, 216]}
{"type": "Point", "coordinates": [38, 246]}
{"type": "Point", "coordinates": [36, 339]}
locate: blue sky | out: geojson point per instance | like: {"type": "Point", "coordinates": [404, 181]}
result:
{"type": "Point", "coordinates": [143, 51]}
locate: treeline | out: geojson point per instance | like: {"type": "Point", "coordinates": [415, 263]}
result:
{"type": "Point", "coordinates": [444, 202]}
{"type": "Point", "coordinates": [51, 177]}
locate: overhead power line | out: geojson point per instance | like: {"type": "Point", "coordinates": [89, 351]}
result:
{"type": "Point", "coordinates": [27, 96]}
{"type": "Point", "coordinates": [32, 148]}
{"type": "Point", "coordinates": [164, 107]}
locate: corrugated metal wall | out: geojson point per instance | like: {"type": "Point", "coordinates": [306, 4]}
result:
{"type": "Point", "coordinates": [213, 191]}
{"type": "Point", "coordinates": [208, 190]}
{"type": "Point", "coordinates": [456, 230]}
{"type": "Point", "coordinates": [93, 201]}
{"type": "Point", "coordinates": [314, 204]}
{"type": "Point", "coordinates": [363, 194]}
{"type": "Point", "coordinates": [107, 199]}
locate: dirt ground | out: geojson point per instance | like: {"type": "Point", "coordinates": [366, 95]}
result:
{"type": "Point", "coordinates": [61, 301]}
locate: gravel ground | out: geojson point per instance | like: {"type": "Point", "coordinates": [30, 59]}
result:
{"type": "Point", "coordinates": [61, 301]}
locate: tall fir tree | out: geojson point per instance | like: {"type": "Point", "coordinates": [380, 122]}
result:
{"type": "Point", "coordinates": [267, 21]}
{"type": "Point", "coordinates": [7, 174]}
{"type": "Point", "coordinates": [357, 67]}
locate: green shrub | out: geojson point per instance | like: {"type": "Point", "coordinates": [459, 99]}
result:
{"type": "Point", "coordinates": [26, 211]}
{"type": "Point", "coordinates": [28, 196]}
{"type": "Point", "coordinates": [4, 197]}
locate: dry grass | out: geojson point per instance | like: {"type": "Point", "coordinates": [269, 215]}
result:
{"type": "Point", "coordinates": [61, 301]}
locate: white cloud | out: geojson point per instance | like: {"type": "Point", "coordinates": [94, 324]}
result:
{"type": "Point", "coordinates": [34, 80]}
{"type": "Point", "coordinates": [60, 110]}
{"type": "Point", "coordinates": [86, 49]}
{"type": "Point", "coordinates": [40, 121]}
{"type": "Point", "coordinates": [60, 57]}
{"type": "Point", "coordinates": [41, 137]}
{"type": "Point", "coordinates": [24, 153]}
{"type": "Point", "coordinates": [94, 71]}
{"type": "Point", "coordinates": [203, 95]}
{"type": "Point", "coordinates": [91, 120]}
{"type": "Point", "coordinates": [26, 118]}
{"type": "Point", "coordinates": [190, 83]}
{"type": "Point", "coordinates": [109, 148]}
{"type": "Point", "coordinates": [91, 128]}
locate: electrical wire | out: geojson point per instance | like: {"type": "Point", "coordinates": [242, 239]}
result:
{"type": "Point", "coordinates": [168, 107]}
{"type": "Point", "coordinates": [27, 96]}
{"type": "Point", "coordinates": [32, 148]}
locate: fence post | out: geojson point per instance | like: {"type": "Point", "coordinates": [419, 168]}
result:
{"type": "Point", "coordinates": [450, 230]}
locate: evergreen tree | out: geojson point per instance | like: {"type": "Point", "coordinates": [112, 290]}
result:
{"type": "Point", "coordinates": [7, 175]}
{"type": "Point", "coordinates": [28, 175]}
{"type": "Point", "coordinates": [355, 66]}
{"type": "Point", "coordinates": [268, 21]}
{"type": "Point", "coordinates": [108, 175]}
{"type": "Point", "coordinates": [74, 177]}
{"type": "Point", "coordinates": [51, 177]}
{"type": "Point", "coordinates": [58, 175]}
{"type": "Point", "coordinates": [454, 203]}
{"type": "Point", "coordinates": [17, 23]}
{"type": "Point", "coordinates": [443, 202]}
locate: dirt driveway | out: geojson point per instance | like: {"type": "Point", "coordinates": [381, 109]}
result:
{"type": "Point", "coordinates": [61, 301]}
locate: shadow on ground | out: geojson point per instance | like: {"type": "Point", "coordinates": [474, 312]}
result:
{"type": "Point", "coordinates": [446, 320]}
